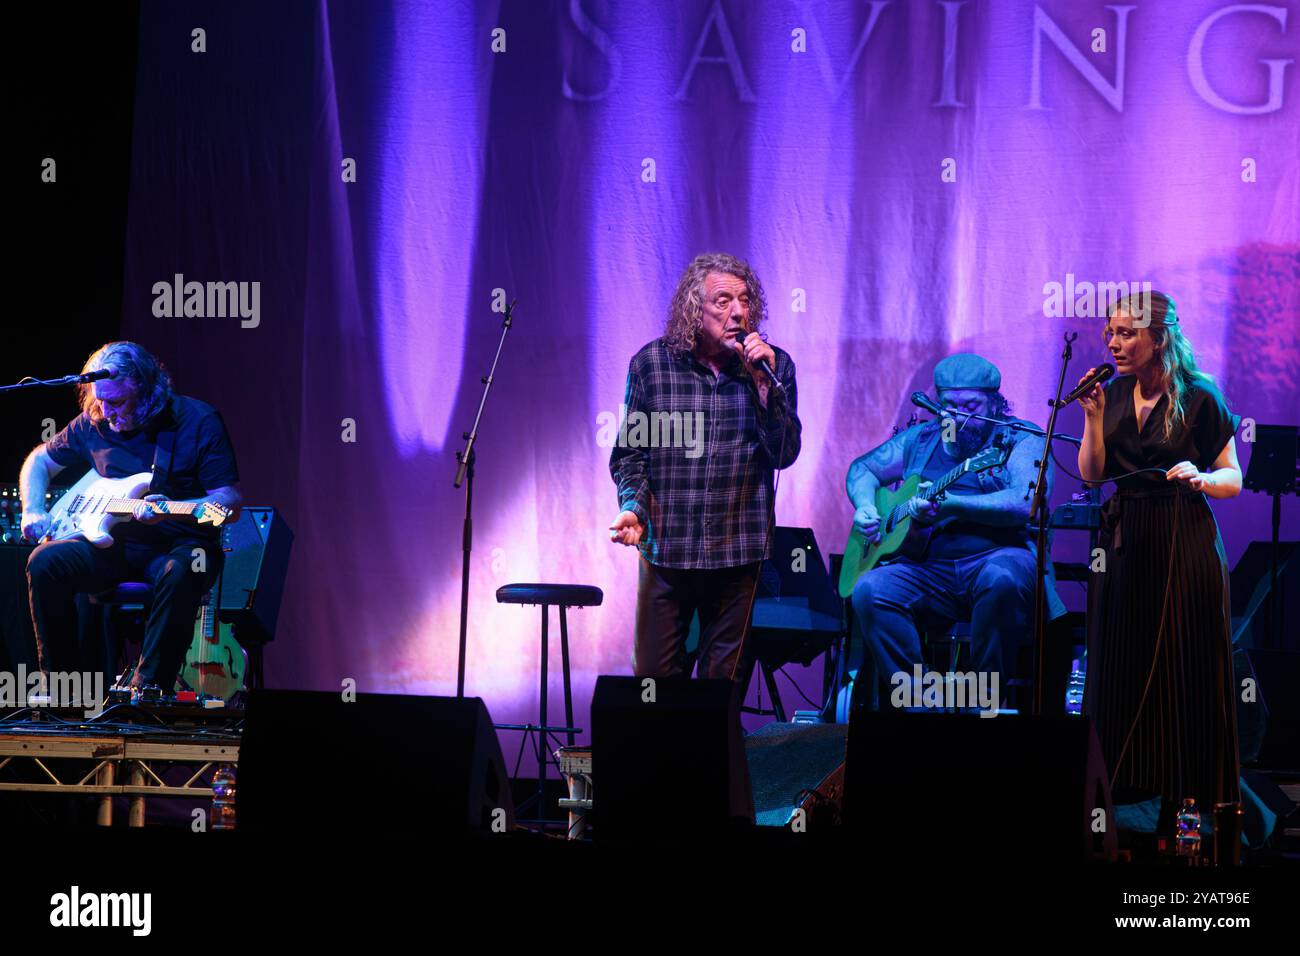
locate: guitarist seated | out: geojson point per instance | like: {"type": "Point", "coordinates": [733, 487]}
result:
{"type": "Point", "coordinates": [978, 562]}
{"type": "Point", "coordinates": [131, 422]}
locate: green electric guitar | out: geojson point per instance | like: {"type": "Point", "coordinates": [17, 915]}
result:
{"type": "Point", "coordinates": [899, 532]}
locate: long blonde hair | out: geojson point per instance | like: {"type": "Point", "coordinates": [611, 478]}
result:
{"type": "Point", "coordinates": [685, 313]}
{"type": "Point", "coordinates": [1178, 369]}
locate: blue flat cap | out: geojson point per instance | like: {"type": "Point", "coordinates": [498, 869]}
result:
{"type": "Point", "coordinates": [967, 370]}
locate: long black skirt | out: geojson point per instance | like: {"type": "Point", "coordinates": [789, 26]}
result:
{"type": "Point", "coordinates": [1163, 698]}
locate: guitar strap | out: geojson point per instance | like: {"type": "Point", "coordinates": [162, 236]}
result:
{"type": "Point", "coordinates": [165, 446]}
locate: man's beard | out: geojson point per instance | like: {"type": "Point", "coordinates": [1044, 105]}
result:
{"type": "Point", "coordinates": [972, 438]}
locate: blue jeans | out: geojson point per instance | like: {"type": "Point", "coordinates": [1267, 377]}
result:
{"type": "Point", "coordinates": [993, 589]}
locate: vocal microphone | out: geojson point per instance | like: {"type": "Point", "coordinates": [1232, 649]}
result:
{"type": "Point", "coordinates": [922, 400]}
{"type": "Point", "coordinates": [84, 379]}
{"type": "Point", "coordinates": [761, 363]}
{"type": "Point", "coordinates": [1100, 374]}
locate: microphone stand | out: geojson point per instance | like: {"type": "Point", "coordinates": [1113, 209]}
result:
{"type": "Point", "coordinates": [921, 400]}
{"type": "Point", "coordinates": [1040, 513]}
{"type": "Point", "coordinates": [1013, 426]}
{"type": "Point", "coordinates": [38, 382]}
{"type": "Point", "coordinates": [465, 473]}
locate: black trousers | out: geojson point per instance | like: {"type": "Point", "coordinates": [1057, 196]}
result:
{"type": "Point", "coordinates": [666, 601]}
{"type": "Point", "coordinates": [58, 571]}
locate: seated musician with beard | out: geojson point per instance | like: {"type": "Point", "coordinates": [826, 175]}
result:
{"type": "Point", "coordinates": [979, 564]}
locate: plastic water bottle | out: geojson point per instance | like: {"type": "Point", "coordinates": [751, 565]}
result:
{"type": "Point", "coordinates": [223, 798]}
{"type": "Point", "coordinates": [1074, 690]}
{"type": "Point", "coordinates": [1188, 836]}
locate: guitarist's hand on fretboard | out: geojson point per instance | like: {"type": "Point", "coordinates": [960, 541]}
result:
{"type": "Point", "coordinates": [866, 522]}
{"type": "Point", "coordinates": [923, 510]}
{"type": "Point", "coordinates": [147, 514]}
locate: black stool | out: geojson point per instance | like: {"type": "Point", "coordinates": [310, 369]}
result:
{"type": "Point", "coordinates": [137, 597]}
{"type": "Point", "coordinates": [563, 596]}
{"type": "Point", "coordinates": [131, 596]}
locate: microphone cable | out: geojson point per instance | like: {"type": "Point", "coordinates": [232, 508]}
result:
{"type": "Point", "coordinates": [1164, 605]}
{"type": "Point", "coordinates": [1160, 636]}
{"type": "Point", "coordinates": [771, 521]}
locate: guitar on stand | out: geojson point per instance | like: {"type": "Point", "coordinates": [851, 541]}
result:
{"type": "Point", "coordinates": [215, 664]}
{"type": "Point", "coordinates": [899, 533]}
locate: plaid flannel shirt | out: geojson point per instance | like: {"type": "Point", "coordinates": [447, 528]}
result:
{"type": "Point", "coordinates": [695, 455]}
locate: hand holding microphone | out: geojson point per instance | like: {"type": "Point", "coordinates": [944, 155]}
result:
{"type": "Point", "coordinates": [758, 356]}
{"type": "Point", "coordinates": [1091, 396]}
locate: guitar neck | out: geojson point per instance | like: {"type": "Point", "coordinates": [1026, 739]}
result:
{"type": "Point", "coordinates": [940, 486]}
{"type": "Point", "coordinates": [125, 506]}
{"type": "Point", "coordinates": [935, 489]}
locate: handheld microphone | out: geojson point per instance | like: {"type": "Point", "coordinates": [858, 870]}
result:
{"type": "Point", "coordinates": [761, 363]}
{"type": "Point", "coordinates": [1100, 374]}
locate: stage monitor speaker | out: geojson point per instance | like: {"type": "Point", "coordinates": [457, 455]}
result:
{"type": "Point", "coordinates": [310, 761]}
{"type": "Point", "coordinates": [971, 789]}
{"type": "Point", "coordinates": [668, 759]}
{"type": "Point", "coordinates": [257, 560]}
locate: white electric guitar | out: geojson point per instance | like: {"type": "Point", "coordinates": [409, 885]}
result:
{"type": "Point", "coordinates": [92, 506]}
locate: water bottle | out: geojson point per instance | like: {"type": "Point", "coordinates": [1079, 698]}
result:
{"type": "Point", "coordinates": [1188, 835]}
{"type": "Point", "coordinates": [1074, 690]}
{"type": "Point", "coordinates": [223, 798]}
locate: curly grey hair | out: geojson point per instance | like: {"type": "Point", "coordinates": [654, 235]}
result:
{"type": "Point", "coordinates": [686, 310]}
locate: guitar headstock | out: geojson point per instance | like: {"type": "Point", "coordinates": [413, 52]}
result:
{"type": "Point", "coordinates": [212, 513]}
{"type": "Point", "coordinates": [990, 457]}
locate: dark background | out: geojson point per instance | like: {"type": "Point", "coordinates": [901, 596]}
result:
{"type": "Point", "coordinates": [75, 82]}
{"type": "Point", "coordinates": [75, 103]}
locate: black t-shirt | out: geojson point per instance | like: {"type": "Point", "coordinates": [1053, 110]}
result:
{"type": "Point", "coordinates": [200, 458]}
{"type": "Point", "coordinates": [1207, 426]}
{"type": "Point", "coordinates": [955, 538]}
